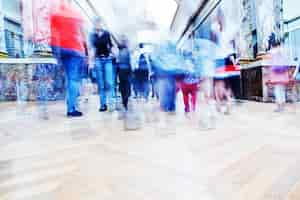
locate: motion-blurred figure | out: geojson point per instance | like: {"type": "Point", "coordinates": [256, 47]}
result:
{"type": "Point", "coordinates": [279, 76]}
{"type": "Point", "coordinates": [85, 85]}
{"type": "Point", "coordinates": [167, 65]}
{"type": "Point", "coordinates": [224, 65]}
{"type": "Point", "coordinates": [223, 96]}
{"type": "Point", "coordinates": [22, 92]}
{"type": "Point", "coordinates": [141, 68]}
{"type": "Point", "coordinates": [124, 72]}
{"type": "Point", "coordinates": [223, 93]}
{"type": "Point", "coordinates": [189, 84]}
{"type": "Point", "coordinates": [105, 72]}
{"type": "Point", "coordinates": [153, 81]}
{"type": "Point", "coordinates": [234, 81]}
{"type": "Point", "coordinates": [205, 52]}
{"type": "Point", "coordinates": [44, 85]}
{"type": "Point", "coordinates": [68, 41]}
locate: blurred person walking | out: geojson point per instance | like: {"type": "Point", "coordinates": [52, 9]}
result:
{"type": "Point", "coordinates": [222, 89]}
{"type": "Point", "coordinates": [124, 71]}
{"type": "Point", "coordinates": [153, 82]}
{"type": "Point", "coordinates": [68, 46]}
{"type": "Point", "coordinates": [167, 65]}
{"type": "Point", "coordinates": [279, 75]}
{"type": "Point", "coordinates": [101, 43]}
{"type": "Point", "coordinates": [44, 84]}
{"type": "Point", "coordinates": [189, 84]}
{"type": "Point", "coordinates": [204, 56]}
{"type": "Point", "coordinates": [85, 91]}
{"type": "Point", "coordinates": [141, 67]}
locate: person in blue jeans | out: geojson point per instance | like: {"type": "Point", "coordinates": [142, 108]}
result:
{"type": "Point", "coordinates": [68, 47]}
{"type": "Point", "coordinates": [72, 62]}
{"type": "Point", "coordinates": [105, 75]}
{"type": "Point", "coordinates": [105, 71]}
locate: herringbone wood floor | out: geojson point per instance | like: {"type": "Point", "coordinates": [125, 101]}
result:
{"type": "Point", "coordinates": [252, 154]}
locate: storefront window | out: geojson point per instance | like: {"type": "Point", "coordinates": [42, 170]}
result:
{"type": "Point", "coordinates": [222, 27]}
{"type": "Point", "coordinates": [13, 38]}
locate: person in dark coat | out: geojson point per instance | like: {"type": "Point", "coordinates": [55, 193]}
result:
{"type": "Point", "coordinates": [124, 71]}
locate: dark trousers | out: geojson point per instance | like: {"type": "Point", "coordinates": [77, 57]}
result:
{"type": "Point", "coordinates": [125, 86]}
{"type": "Point", "coordinates": [154, 86]}
{"type": "Point", "coordinates": [235, 85]}
{"type": "Point", "coordinates": [141, 82]}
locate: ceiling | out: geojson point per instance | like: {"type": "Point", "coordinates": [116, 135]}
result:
{"type": "Point", "coordinates": [186, 9]}
{"type": "Point", "coordinates": [138, 19]}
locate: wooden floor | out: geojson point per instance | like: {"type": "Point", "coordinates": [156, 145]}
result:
{"type": "Point", "coordinates": [253, 154]}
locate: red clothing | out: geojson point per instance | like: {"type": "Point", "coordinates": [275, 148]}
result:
{"type": "Point", "coordinates": [187, 90]}
{"type": "Point", "coordinates": [67, 29]}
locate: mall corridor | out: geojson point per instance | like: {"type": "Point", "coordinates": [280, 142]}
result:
{"type": "Point", "coordinates": [149, 100]}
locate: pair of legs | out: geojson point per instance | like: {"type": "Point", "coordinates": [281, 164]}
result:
{"type": "Point", "coordinates": [154, 89]}
{"type": "Point", "coordinates": [135, 84]}
{"type": "Point", "coordinates": [189, 90]}
{"type": "Point", "coordinates": [72, 61]}
{"type": "Point", "coordinates": [43, 79]}
{"type": "Point", "coordinates": [280, 96]}
{"type": "Point", "coordinates": [125, 86]}
{"type": "Point", "coordinates": [167, 93]}
{"type": "Point", "coordinates": [43, 97]}
{"type": "Point", "coordinates": [85, 89]}
{"type": "Point", "coordinates": [105, 75]}
{"type": "Point", "coordinates": [142, 83]}
{"type": "Point", "coordinates": [208, 119]}
{"type": "Point", "coordinates": [222, 94]}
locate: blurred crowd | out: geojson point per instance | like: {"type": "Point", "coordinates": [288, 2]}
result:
{"type": "Point", "coordinates": [92, 66]}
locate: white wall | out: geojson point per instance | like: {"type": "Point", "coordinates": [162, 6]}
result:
{"type": "Point", "coordinates": [11, 9]}
{"type": "Point", "coordinates": [291, 9]}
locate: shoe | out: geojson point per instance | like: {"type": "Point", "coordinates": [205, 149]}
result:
{"type": "Point", "coordinates": [74, 114]}
{"type": "Point", "coordinates": [103, 109]}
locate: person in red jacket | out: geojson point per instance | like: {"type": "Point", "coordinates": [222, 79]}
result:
{"type": "Point", "coordinates": [68, 46]}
